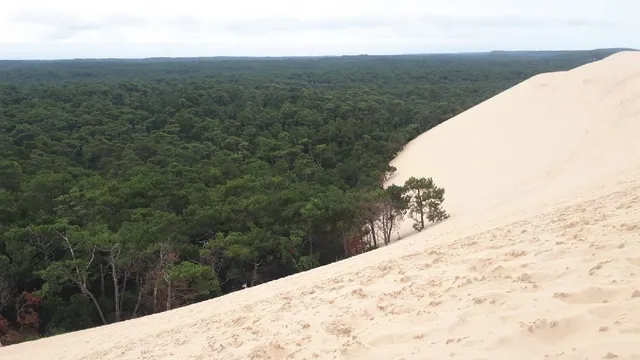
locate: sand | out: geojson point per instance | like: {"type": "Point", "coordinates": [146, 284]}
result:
{"type": "Point", "coordinates": [539, 260]}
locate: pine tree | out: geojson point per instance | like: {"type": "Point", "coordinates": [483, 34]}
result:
{"type": "Point", "coordinates": [425, 201]}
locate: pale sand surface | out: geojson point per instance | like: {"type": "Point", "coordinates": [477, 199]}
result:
{"type": "Point", "coordinates": [540, 259]}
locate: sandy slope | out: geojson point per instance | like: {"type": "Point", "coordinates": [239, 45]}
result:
{"type": "Point", "coordinates": [540, 259]}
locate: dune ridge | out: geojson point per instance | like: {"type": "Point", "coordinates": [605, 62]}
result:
{"type": "Point", "coordinates": [540, 258]}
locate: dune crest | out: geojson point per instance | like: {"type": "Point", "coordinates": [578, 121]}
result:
{"type": "Point", "coordinates": [540, 258]}
{"type": "Point", "coordinates": [538, 142]}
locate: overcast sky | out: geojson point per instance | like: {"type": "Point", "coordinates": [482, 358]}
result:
{"type": "Point", "coordinates": [48, 29]}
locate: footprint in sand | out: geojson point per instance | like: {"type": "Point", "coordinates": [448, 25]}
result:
{"type": "Point", "coordinates": [487, 299]}
{"type": "Point", "coordinates": [551, 332]}
{"type": "Point", "coordinates": [591, 295]}
{"type": "Point", "coordinates": [514, 254]}
{"type": "Point", "coordinates": [600, 265]}
{"type": "Point", "coordinates": [338, 328]}
{"type": "Point", "coordinates": [359, 294]}
{"type": "Point", "coordinates": [633, 228]}
{"type": "Point", "coordinates": [272, 350]}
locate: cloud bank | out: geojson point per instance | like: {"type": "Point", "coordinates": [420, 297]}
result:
{"type": "Point", "coordinates": [119, 28]}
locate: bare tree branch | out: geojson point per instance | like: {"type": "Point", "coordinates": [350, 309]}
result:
{"type": "Point", "coordinates": [81, 281]}
{"type": "Point", "coordinates": [93, 255]}
{"type": "Point", "coordinates": [44, 245]}
{"type": "Point", "coordinates": [73, 256]}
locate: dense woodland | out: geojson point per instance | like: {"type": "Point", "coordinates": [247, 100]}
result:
{"type": "Point", "coordinates": [129, 187]}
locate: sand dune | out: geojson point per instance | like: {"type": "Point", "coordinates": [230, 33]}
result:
{"type": "Point", "coordinates": [540, 259]}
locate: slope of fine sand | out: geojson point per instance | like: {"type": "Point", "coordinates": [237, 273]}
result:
{"type": "Point", "coordinates": [540, 259]}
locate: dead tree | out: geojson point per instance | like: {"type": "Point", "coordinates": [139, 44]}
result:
{"type": "Point", "coordinates": [79, 276]}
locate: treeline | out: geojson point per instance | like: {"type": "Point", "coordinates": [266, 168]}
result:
{"type": "Point", "coordinates": [497, 67]}
{"type": "Point", "coordinates": [121, 198]}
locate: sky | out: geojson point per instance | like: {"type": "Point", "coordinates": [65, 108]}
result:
{"type": "Point", "coordinates": [62, 29]}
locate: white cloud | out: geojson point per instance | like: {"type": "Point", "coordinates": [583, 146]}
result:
{"type": "Point", "coordinates": [142, 28]}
